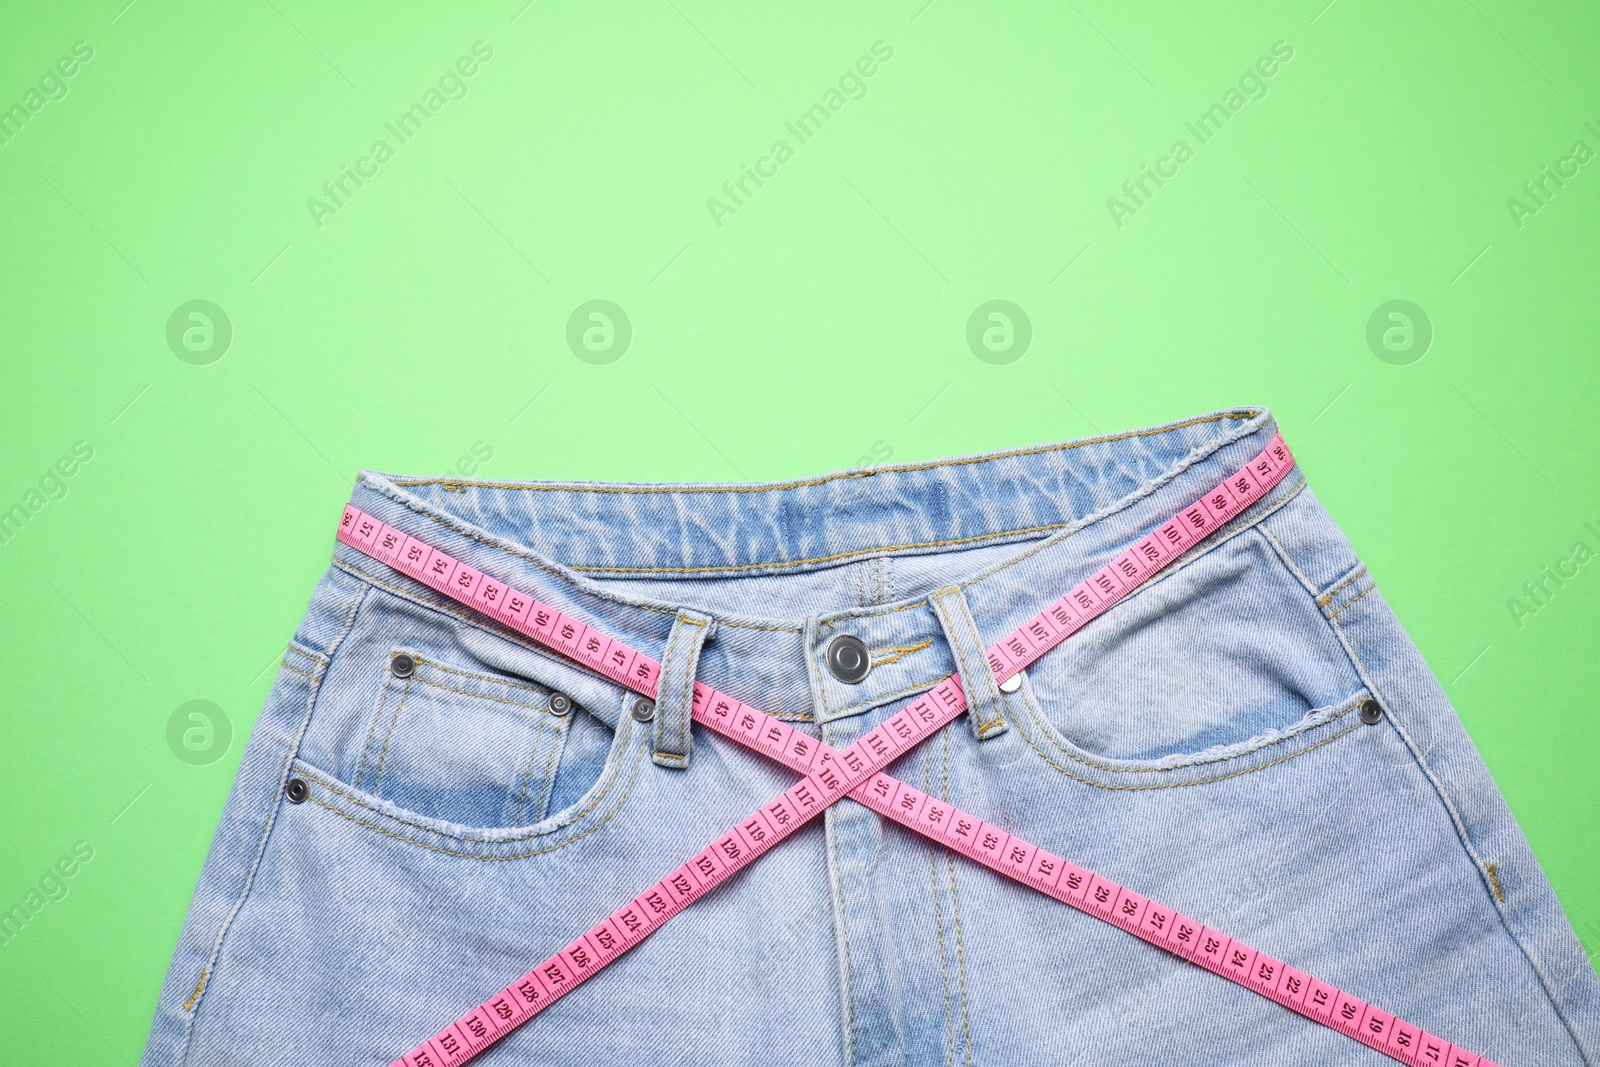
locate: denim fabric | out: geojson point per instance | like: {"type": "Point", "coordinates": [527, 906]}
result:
{"type": "Point", "coordinates": [1199, 743]}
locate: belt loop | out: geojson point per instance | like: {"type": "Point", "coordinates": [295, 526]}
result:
{"type": "Point", "coordinates": [977, 680]}
{"type": "Point", "coordinates": [669, 734]}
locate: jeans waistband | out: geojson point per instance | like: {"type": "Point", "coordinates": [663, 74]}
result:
{"type": "Point", "coordinates": [783, 567]}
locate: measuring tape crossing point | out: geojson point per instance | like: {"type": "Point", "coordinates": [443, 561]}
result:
{"type": "Point", "coordinates": [832, 774]}
{"type": "Point", "coordinates": [1166, 928]}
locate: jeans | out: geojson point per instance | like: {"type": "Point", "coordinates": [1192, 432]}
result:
{"type": "Point", "coordinates": [473, 801]}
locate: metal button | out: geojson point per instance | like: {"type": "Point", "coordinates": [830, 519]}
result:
{"type": "Point", "coordinates": [847, 659]}
{"type": "Point", "coordinates": [644, 709]}
{"type": "Point", "coordinates": [402, 665]}
{"type": "Point", "coordinates": [1012, 684]}
{"type": "Point", "coordinates": [297, 790]}
{"type": "Point", "coordinates": [1370, 712]}
{"type": "Point", "coordinates": [560, 704]}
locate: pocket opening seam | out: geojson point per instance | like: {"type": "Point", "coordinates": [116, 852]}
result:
{"type": "Point", "coordinates": [632, 779]}
{"type": "Point", "coordinates": [333, 785]}
{"type": "Point", "coordinates": [1348, 705]}
{"type": "Point", "coordinates": [476, 696]}
{"type": "Point", "coordinates": [1255, 525]}
{"type": "Point", "coordinates": [439, 665]}
{"type": "Point", "coordinates": [1199, 781]}
{"type": "Point", "coordinates": [383, 756]}
{"type": "Point", "coordinates": [372, 728]}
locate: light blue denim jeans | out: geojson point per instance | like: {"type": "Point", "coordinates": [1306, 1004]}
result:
{"type": "Point", "coordinates": [1199, 743]}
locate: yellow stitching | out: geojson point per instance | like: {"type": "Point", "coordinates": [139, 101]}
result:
{"type": "Point", "coordinates": [1445, 796]}
{"type": "Point", "coordinates": [825, 559]}
{"type": "Point", "coordinates": [1221, 535]}
{"type": "Point", "coordinates": [886, 697]}
{"type": "Point", "coordinates": [1043, 723]}
{"type": "Point", "coordinates": [1206, 545]}
{"type": "Point", "coordinates": [1322, 601]}
{"type": "Point", "coordinates": [1181, 785]}
{"type": "Point", "coordinates": [519, 856]}
{"type": "Point", "coordinates": [290, 667]}
{"type": "Point", "coordinates": [1352, 600]}
{"type": "Point", "coordinates": [688, 696]}
{"type": "Point", "coordinates": [434, 664]}
{"type": "Point", "coordinates": [1286, 559]}
{"type": "Point", "coordinates": [547, 568]}
{"type": "Point", "coordinates": [377, 713]}
{"type": "Point", "coordinates": [478, 696]}
{"type": "Point", "coordinates": [305, 653]}
{"type": "Point", "coordinates": [849, 971]}
{"type": "Point", "coordinates": [938, 914]}
{"type": "Point", "coordinates": [358, 598]}
{"type": "Point", "coordinates": [552, 768]}
{"type": "Point", "coordinates": [442, 606]}
{"type": "Point", "coordinates": [1155, 431]}
{"type": "Point", "coordinates": [205, 976]}
{"type": "Point", "coordinates": [447, 606]}
{"type": "Point", "coordinates": [332, 788]}
{"type": "Point", "coordinates": [900, 652]}
{"type": "Point", "coordinates": [1048, 542]}
{"type": "Point", "coordinates": [961, 954]}
{"type": "Point", "coordinates": [377, 775]}
{"type": "Point", "coordinates": [448, 524]}
{"type": "Point", "coordinates": [527, 776]}
{"type": "Point", "coordinates": [990, 721]}
{"type": "Point", "coordinates": [475, 621]}
{"type": "Point", "coordinates": [1494, 879]}
{"type": "Point", "coordinates": [955, 900]}
{"type": "Point", "coordinates": [668, 662]}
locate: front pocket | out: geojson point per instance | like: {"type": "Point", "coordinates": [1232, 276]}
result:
{"type": "Point", "coordinates": [1217, 658]}
{"type": "Point", "coordinates": [463, 746]}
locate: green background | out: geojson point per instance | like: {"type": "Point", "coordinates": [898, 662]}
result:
{"type": "Point", "coordinates": [821, 325]}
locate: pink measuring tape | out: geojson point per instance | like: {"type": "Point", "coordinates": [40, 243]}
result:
{"type": "Point", "coordinates": [830, 775]}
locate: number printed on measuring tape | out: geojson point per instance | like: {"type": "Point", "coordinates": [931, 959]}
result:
{"type": "Point", "coordinates": [856, 771]}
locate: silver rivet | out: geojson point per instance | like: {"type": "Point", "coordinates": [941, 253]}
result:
{"type": "Point", "coordinates": [644, 709]}
{"type": "Point", "coordinates": [847, 659]}
{"type": "Point", "coordinates": [402, 665]}
{"type": "Point", "coordinates": [560, 704]}
{"type": "Point", "coordinates": [1012, 684]}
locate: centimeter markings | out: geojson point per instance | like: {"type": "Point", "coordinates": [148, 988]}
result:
{"type": "Point", "coordinates": [836, 774]}
{"type": "Point", "coordinates": [1164, 927]}
{"type": "Point", "coordinates": [831, 774]}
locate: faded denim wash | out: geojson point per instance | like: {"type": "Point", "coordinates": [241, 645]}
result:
{"type": "Point", "coordinates": [1198, 743]}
